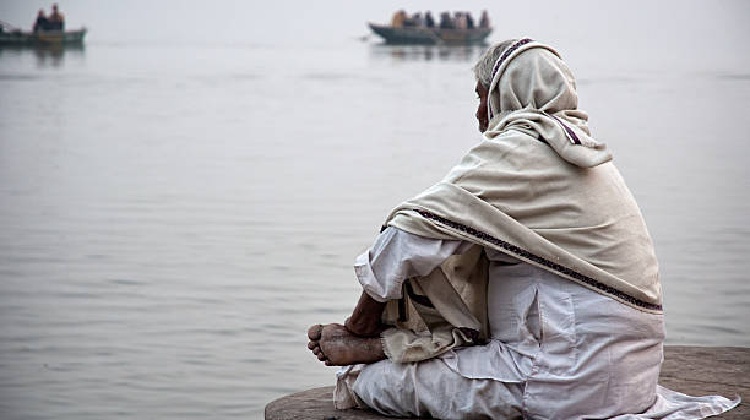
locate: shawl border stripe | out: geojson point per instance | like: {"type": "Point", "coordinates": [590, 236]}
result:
{"type": "Point", "coordinates": [569, 133]}
{"type": "Point", "coordinates": [513, 249]}
{"type": "Point", "coordinates": [504, 56]}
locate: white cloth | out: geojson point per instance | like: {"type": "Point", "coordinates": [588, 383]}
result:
{"type": "Point", "coordinates": [557, 350]}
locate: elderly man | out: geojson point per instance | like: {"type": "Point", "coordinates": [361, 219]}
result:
{"type": "Point", "coordinates": [523, 284]}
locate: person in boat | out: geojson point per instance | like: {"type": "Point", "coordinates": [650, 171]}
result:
{"type": "Point", "coordinates": [429, 21]}
{"type": "Point", "coordinates": [398, 19]}
{"type": "Point", "coordinates": [446, 21]}
{"type": "Point", "coordinates": [523, 284]}
{"type": "Point", "coordinates": [417, 20]}
{"type": "Point", "coordinates": [484, 20]}
{"type": "Point", "coordinates": [42, 22]}
{"type": "Point", "coordinates": [461, 20]}
{"type": "Point", "coordinates": [412, 21]}
{"type": "Point", "coordinates": [469, 20]}
{"type": "Point", "coordinates": [56, 19]}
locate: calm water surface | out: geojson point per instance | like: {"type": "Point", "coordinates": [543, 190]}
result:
{"type": "Point", "coordinates": [173, 216]}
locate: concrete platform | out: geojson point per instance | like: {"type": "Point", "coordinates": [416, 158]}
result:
{"type": "Point", "coordinates": [692, 370]}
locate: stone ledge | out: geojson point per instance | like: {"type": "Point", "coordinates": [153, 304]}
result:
{"type": "Point", "coordinates": [692, 370]}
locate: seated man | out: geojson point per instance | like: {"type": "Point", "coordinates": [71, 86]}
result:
{"type": "Point", "coordinates": [398, 19]}
{"type": "Point", "coordinates": [41, 23]}
{"type": "Point", "coordinates": [56, 19]}
{"type": "Point", "coordinates": [522, 285]}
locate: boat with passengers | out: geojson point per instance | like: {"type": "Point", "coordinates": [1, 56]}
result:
{"type": "Point", "coordinates": [48, 31]}
{"type": "Point", "coordinates": [55, 38]}
{"type": "Point", "coordinates": [422, 29]}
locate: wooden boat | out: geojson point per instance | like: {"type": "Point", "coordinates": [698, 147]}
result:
{"type": "Point", "coordinates": [430, 36]}
{"type": "Point", "coordinates": [20, 38]}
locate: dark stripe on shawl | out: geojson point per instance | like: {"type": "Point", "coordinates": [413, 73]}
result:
{"type": "Point", "coordinates": [420, 299]}
{"type": "Point", "coordinates": [504, 56]}
{"type": "Point", "coordinates": [572, 137]}
{"type": "Point", "coordinates": [515, 250]}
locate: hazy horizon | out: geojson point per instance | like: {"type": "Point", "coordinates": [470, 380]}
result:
{"type": "Point", "coordinates": [695, 35]}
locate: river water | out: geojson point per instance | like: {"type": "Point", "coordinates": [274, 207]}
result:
{"type": "Point", "coordinates": [176, 209]}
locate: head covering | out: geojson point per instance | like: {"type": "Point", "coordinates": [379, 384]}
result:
{"type": "Point", "coordinates": [533, 91]}
{"type": "Point", "coordinates": [540, 188]}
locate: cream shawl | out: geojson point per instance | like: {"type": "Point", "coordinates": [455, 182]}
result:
{"type": "Point", "coordinates": [541, 189]}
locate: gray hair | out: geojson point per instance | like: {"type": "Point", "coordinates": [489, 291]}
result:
{"type": "Point", "coordinates": [483, 67]}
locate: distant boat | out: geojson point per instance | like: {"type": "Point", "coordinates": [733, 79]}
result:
{"type": "Point", "coordinates": [20, 38]}
{"type": "Point", "coordinates": [414, 35]}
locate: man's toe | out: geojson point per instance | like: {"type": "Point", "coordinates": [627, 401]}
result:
{"type": "Point", "coordinates": [314, 332]}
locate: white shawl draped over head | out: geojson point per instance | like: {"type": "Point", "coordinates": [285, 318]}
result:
{"type": "Point", "coordinates": [538, 187]}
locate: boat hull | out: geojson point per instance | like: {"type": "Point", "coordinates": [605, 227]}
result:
{"type": "Point", "coordinates": [430, 36]}
{"type": "Point", "coordinates": [17, 38]}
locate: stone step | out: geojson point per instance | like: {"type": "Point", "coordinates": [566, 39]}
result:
{"type": "Point", "coordinates": [692, 370]}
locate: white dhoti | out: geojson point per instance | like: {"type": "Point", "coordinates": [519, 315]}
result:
{"type": "Point", "coordinates": [557, 350]}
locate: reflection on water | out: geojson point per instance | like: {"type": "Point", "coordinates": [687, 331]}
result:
{"type": "Point", "coordinates": [46, 56]}
{"type": "Point", "coordinates": [426, 52]}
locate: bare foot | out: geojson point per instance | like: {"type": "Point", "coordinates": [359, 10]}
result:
{"type": "Point", "coordinates": [313, 334]}
{"type": "Point", "coordinates": [334, 345]}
